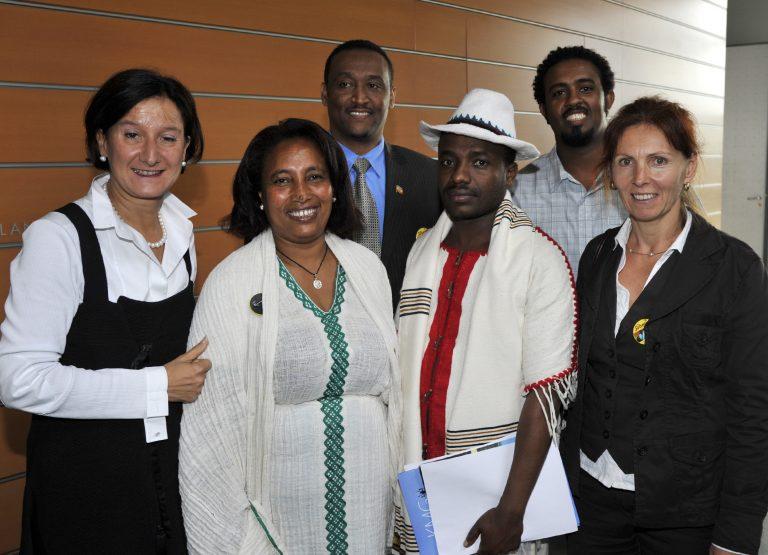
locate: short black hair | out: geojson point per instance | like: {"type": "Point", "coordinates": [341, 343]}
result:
{"type": "Point", "coordinates": [247, 219]}
{"type": "Point", "coordinates": [607, 81]}
{"type": "Point", "coordinates": [358, 44]}
{"type": "Point", "coordinates": [124, 90]}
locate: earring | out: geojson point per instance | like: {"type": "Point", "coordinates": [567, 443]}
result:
{"type": "Point", "coordinates": [612, 186]}
{"type": "Point", "coordinates": [334, 199]}
{"type": "Point", "coordinates": [261, 207]}
{"type": "Point", "coordinates": [686, 186]}
{"type": "Point", "coordinates": [103, 158]}
{"type": "Point", "coordinates": [183, 163]}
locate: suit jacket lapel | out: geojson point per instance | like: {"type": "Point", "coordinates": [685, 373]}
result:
{"type": "Point", "coordinates": [391, 212]}
{"type": "Point", "coordinates": [606, 260]}
{"type": "Point", "coordinates": [693, 270]}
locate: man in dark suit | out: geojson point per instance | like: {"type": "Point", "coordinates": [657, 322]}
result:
{"type": "Point", "coordinates": [395, 188]}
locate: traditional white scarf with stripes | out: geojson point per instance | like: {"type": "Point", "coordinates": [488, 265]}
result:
{"type": "Point", "coordinates": [519, 330]}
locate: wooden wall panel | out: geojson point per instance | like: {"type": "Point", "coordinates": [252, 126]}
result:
{"type": "Point", "coordinates": [657, 69]}
{"type": "Point", "coordinates": [710, 170]}
{"type": "Point", "coordinates": [606, 19]}
{"type": "Point", "coordinates": [207, 189]}
{"type": "Point", "coordinates": [13, 441]}
{"type": "Point", "coordinates": [35, 192]}
{"type": "Point", "coordinates": [534, 129]}
{"type": "Point", "coordinates": [11, 495]}
{"type": "Point", "coordinates": [394, 20]}
{"type": "Point", "coordinates": [42, 125]}
{"type": "Point", "coordinates": [711, 197]}
{"type": "Point", "coordinates": [696, 13]}
{"type": "Point", "coordinates": [502, 40]}
{"type": "Point", "coordinates": [212, 247]}
{"type": "Point", "coordinates": [586, 16]}
{"type": "Point", "coordinates": [516, 83]}
{"type": "Point", "coordinates": [711, 137]}
{"type": "Point", "coordinates": [652, 68]}
{"type": "Point", "coordinates": [707, 109]}
{"type": "Point", "coordinates": [233, 62]}
{"type": "Point", "coordinates": [6, 256]}
{"type": "Point", "coordinates": [441, 30]}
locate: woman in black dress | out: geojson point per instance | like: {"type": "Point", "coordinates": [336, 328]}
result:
{"type": "Point", "coordinates": [95, 333]}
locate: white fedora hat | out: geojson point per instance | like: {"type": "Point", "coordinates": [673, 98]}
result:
{"type": "Point", "coordinates": [486, 115]}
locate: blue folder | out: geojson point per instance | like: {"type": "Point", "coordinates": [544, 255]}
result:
{"type": "Point", "coordinates": [417, 505]}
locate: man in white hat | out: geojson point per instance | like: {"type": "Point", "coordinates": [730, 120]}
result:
{"type": "Point", "coordinates": [487, 316]}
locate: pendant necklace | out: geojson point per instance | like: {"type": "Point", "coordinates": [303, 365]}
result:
{"type": "Point", "coordinates": [649, 254]}
{"type": "Point", "coordinates": [316, 283]}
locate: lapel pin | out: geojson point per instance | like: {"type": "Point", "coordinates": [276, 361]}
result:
{"type": "Point", "coordinates": [399, 190]}
{"type": "Point", "coordinates": [256, 305]}
{"type": "Point", "coordinates": [638, 331]}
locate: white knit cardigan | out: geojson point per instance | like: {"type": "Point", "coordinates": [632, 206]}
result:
{"type": "Point", "coordinates": [227, 433]}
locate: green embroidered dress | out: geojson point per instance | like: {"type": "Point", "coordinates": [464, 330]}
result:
{"type": "Point", "coordinates": [329, 461]}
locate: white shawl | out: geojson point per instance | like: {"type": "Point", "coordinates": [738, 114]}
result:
{"type": "Point", "coordinates": [520, 330]}
{"type": "Point", "coordinates": [227, 433]}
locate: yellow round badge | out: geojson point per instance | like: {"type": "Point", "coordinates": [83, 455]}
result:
{"type": "Point", "coordinates": [638, 331]}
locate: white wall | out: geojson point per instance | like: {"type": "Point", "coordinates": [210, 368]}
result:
{"type": "Point", "coordinates": [745, 143]}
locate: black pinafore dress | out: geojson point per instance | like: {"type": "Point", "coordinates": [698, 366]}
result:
{"type": "Point", "coordinates": [97, 486]}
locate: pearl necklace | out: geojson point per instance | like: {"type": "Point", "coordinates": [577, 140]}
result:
{"type": "Point", "coordinates": [152, 244]}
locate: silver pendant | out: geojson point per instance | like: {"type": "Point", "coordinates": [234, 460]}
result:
{"type": "Point", "coordinates": [317, 284]}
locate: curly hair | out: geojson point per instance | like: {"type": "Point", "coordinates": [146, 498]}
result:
{"type": "Point", "coordinates": [563, 53]}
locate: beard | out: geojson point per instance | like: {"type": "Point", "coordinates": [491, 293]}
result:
{"type": "Point", "coordinates": [576, 137]}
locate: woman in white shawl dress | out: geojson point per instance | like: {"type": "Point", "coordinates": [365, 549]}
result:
{"type": "Point", "coordinates": [293, 445]}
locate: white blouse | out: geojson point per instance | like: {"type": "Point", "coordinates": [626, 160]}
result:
{"type": "Point", "coordinates": [46, 290]}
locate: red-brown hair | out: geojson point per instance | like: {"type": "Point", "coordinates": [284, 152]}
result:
{"type": "Point", "coordinates": [675, 122]}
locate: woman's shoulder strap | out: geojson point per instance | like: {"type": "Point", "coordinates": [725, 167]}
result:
{"type": "Point", "coordinates": [94, 274]}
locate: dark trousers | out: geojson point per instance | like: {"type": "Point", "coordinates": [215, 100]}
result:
{"type": "Point", "coordinates": [607, 527]}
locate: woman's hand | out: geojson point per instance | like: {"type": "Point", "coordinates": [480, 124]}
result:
{"type": "Point", "coordinates": [186, 374]}
{"type": "Point", "coordinates": [498, 533]}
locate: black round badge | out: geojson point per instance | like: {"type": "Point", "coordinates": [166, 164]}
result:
{"type": "Point", "coordinates": [256, 304]}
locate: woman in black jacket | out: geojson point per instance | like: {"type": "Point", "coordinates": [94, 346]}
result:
{"type": "Point", "coordinates": [666, 447]}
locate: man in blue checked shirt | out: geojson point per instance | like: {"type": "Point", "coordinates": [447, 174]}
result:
{"type": "Point", "coordinates": [562, 191]}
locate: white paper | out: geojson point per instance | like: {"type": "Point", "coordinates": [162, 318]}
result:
{"type": "Point", "coordinates": [461, 489]}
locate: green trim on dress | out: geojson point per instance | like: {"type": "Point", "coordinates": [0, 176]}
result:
{"type": "Point", "coordinates": [330, 405]}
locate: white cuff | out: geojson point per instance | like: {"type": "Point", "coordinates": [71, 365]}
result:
{"type": "Point", "coordinates": [728, 550]}
{"type": "Point", "coordinates": [157, 391]}
{"type": "Point", "coordinates": [155, 429]}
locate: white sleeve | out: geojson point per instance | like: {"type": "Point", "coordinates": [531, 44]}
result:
{"type": "Point", "coordinates": [46, 290]}
{"type": "Point", "coordinates": [218, 517]}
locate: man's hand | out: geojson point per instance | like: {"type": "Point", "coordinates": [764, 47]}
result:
{"type": "Point", "coordinates": [499, 533]}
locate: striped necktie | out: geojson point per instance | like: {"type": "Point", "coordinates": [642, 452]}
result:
{"type": "Point", "coordinates": [369, 235]}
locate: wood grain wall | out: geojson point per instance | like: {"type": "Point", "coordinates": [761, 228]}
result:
{"type": "Point", "coordinates": [253, 62]}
